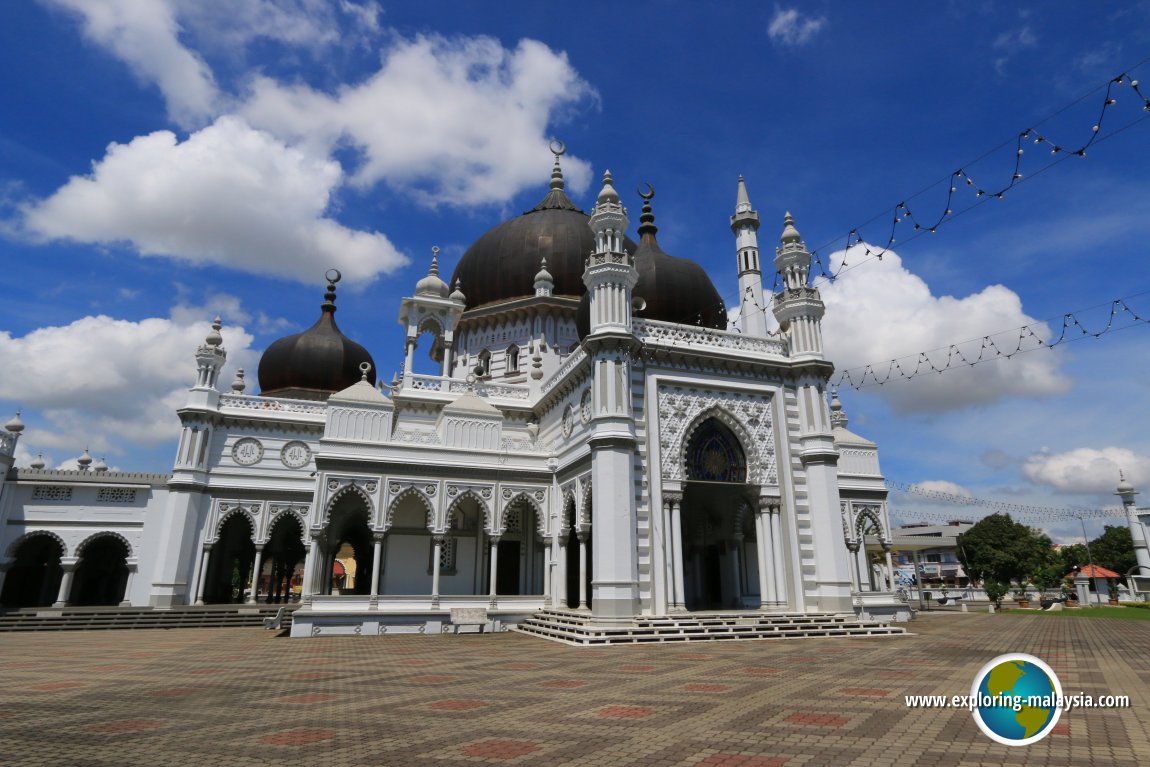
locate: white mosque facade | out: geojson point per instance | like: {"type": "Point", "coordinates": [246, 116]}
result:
{"type": "Point", "coordinates": [596, 440]}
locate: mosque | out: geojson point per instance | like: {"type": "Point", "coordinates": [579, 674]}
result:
{"type": "Point", "coordinates": [595, 442]}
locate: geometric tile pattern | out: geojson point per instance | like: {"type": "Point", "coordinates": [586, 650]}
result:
{"type": "Point", "coordinates": [224, 697]}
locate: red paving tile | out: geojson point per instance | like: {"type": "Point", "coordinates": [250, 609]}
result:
{"type": "Point", "coordinates": [315, 675]}
{"type": "Point", "coordinates": [298, 737]}
{"type": "Point", "coordinates": [816, 719]}
{"type": "Point", "coordinates": [501, 749]}
{"type": "Point", "coordinates": [625, 712]}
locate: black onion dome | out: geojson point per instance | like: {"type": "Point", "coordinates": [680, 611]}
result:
{"type": "Point", "coordinates": [316, 363]}
{"type": "Point", "coordinates": [673, 289]}
{"type": "Point", "coordinates": [502, 264]}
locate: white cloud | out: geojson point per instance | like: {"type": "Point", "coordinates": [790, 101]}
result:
{"type": "Point", "coordinates": [881, 311]}
{"type": "Point", "coordinates": [145, 35]}
{"type": "Point", "coordinates": [461, 121]}
{"type": "Point", "coordinates": [101, 383]}
{"type": "Point", "coordinates": [790, 28]}
{"type": "Point", "coordinates": [943, 486]}
{"type": "Point", "coordinates": [229, 195]}
{"type": "Point", "coordinates": [1010, 43]}
{"type": "Point", "coordinates": [1087, 470]}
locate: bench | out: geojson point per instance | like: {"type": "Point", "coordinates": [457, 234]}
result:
{"type": "Point", "coordinates": [276, 621]}
{"type": "Point", "coordinates": [469, 616]}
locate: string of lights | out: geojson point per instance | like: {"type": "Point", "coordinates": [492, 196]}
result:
{"type": "Point", "coordinates": [1121, 316]}
{"type": "Point", "coordinates": [1039, 513]}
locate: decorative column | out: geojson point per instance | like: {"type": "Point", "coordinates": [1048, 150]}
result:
{"type": "Point", "coordinates": [256, 573]}
{"type": "Point", "coordinates": [376, 560]}
{"type": "Point", "coordinates": [856, 576]}
{"type": "Point", "coordinates": [127, 600]}
{"type": "Point", "coordinates": [889, 566]}
{"type": "Point", "coordinates": [69, 568]}
{"type": "Point", "coordinates": [674, 503]}
{"type": "Point", "coordinates": [494, 568]}
{"type": "Point", "coordinates": [763, 538]}
{"type": "Point", "coordinates": [548, 571]}
{"type": "Point", "coordinates": [560, 581]}
{"type": "Point", "coordinates": [438, 539]}
{"type": "Point", "coordinates": [582, 535]}
{"type": "Point", "coordinates": [312, 566]}
{"type": "Point", "coordinates": [207, 552]}
{"type": "Point", "coordinates": [776, 515]}
{"type": "Point", "coordinates": [736, 545]}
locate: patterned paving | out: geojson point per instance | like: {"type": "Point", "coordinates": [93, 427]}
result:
{"type": "Point", "coordinates": [245, 697]}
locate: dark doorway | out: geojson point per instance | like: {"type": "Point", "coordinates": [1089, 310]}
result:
{"type": "Point", "coordinates": [230, 566]}
{"type": "Point", "coordinates": [507, 568]}
{"type": "Point", "coordinates": [101, 574]}
{"type": "Point", "coordinates": [349, 538]}
{"type": "Point", "coordinates": [283, 561]}
{"type": "Point", "coordinates": [34, 578]}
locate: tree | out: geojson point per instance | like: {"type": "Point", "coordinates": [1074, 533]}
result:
{"type": "Point", "coordinates": [1000, 549]}
{"type": "Point", "coordinates": [1073, 556]}
{"type": "Point", "coordinates": [1114, 549]}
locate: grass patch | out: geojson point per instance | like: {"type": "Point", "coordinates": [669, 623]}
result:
{"type": "Point", "coordinates": [1121, 613]}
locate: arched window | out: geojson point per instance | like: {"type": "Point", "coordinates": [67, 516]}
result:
{"type": "Point", "coordinates": [512, 359]}
{"type": "Point", "coordinates": [484, 363]}
{"type": "Point", "coordinates": [715, 455]}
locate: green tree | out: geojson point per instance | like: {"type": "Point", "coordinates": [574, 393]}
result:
{"type": "Point", "coordinates": [1114, 549]}
{"type": "Point", "coordinates": [1073, 555]}
{"type": "Point", "coordinates": [1000, 549]}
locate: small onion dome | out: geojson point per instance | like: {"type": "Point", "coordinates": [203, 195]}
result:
{"type": "Point", "coordinates": [457, 294]}
{"type": "Point", "coordinates": [85, 460]}
{"type": "Point", "coordinates": [790, 234]}
{"type": "Point", "coordinates": [214, 338]}
{"type": "Point", "coordinates": [1124, 486]}
{"type": "Point", "coordinates": [431, 285]}
{"type": "Point", "coordinates": [37, 462]}
{"type": "Point", "coordinates": [543, 275]}
{"type": "Point", "coordinates": [316, 363]}
{"type": "Point", "coordinates": [238, 383]}
{"type": "Point", "coordinates": [672, 289]}
{"type": "Point", "coordinates": [15, 425]}
{"type": "Point", "coordinates": [502, 264]}
{"type": "Point", "coordinates": [100, 465]}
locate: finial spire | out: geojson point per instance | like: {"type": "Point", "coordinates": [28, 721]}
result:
{"type": "Point", "coordinates": [238, 383]}
{"type": "Point", "coordinates": [838, 417]}
{"type": "Point", "coordinates": [607, 193]}
{"type": "Point", "coordinates": [434, 269]}
{"type": "Point", "coordinates": [333, 276]}
{"type": "Point", "coordinates": [85, 460]}
{"type": "Point", "coordinates": [742, 199]}
{"type": "Point", "coordinates": [457, 294]}
{"type": "Point", "coordinates": [558, 148]}
{"type": "Point", "coordinates": [38, 462]}
{"type": "Point", "coordinates": [790, 233]}
{"type": "Point", "coordinates": [15, 425]}
{"type": "Point", "coordinates": [214, 338]}
{"type": "Point", "coordinates": [647, 217]}
{"type": "Point", "coordinates": [364, 369]}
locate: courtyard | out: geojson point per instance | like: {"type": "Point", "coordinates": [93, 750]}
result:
{"type": "Point", "coordinates": [249, 697]}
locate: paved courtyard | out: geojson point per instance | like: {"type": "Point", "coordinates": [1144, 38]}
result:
{"type": "Point", "coordinates": [247, 697]}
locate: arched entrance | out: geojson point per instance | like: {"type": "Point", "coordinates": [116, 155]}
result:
{"type": "Point", "coordinates": [579, 556]}
{"type": "Point", "coordinates": [34, 578]}
{"type": "Point", "coordinates": [230, 565]}
{"type": "Point", "coordinates": [519, 568]}
{"type": "Point", "coordinates": [102, 572]}
{"type": "Point", "coordinates": [348, 541]}
{"type": "Point", "coordinates": [282, 571]}
{"type": "Point", "coordinates": [717, 575]}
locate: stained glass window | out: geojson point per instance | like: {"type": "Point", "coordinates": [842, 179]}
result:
{"type": "Point", "coordinates": [714, 454]}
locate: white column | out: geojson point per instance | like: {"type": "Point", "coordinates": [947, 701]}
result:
{"type": "Point", "coordinates": [127, 600]}
{"type": "Point", "coordinates": [549, 572]}
{"type": "Point", "coordinates": [678, 601]}
{"type": "Point", "coordinates": [582, 570]}
{"type": "Point", "coordinates": [253, 599]}
{"type": "Point", "coordinates": [494, 568]}
{"type": "Point", "coordinates": [312, 570]}
{"type": "Point", "coordinates": [376, 559]}
{"type": "Point", "coordinates": [889, 568]}
{"type": "Point", "coordinates": [856, 576]}
{"type": "Point", "coordinates": [447, 358]}
{"type": "Point", "coordinates": [737, 561]}
{"type": "Point", "coordinates": [207, 552]}
{"type": "Point", "coordinates": [435, 569]}
{"type": "Point", "coordinates": [65, 584]}
{"type": "Point", "coordinates": [781, 595]}
{"type": "Point", "coordinates": [408, 358]}
{"type": "Point", "coordinates": [560, 582]}
{"type": "Point", "coordinates": [766, 579]}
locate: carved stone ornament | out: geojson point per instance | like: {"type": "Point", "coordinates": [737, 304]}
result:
{"type": "Point", "coordinates": [247, 451]}
{"type": "Point", "coordinates": [485, 493]}
{"type": "Point", "coordinates": [371, 486]}
{"type": "Point", "coordinates": [747, 415]}
{"type": "Point", "coordinates": [452, 490]}
{"type": "Point", "coordinates": [429, 489]}
{"type": "Point", "coordinates": [295, 454]}
{"type": "Point", "coordinates": [568, 420]}
{"type": "Point", "coordinates": [333, 485]}
{"type": "Point", "coordinates": [393, 488]}
{"type": "Point", "coordinates": [585, 406]}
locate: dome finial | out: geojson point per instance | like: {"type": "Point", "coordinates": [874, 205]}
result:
{"type": "Point", "coordinates": [558, 148]}
{"type": "Point", "coordinates": [607, 193]}
{"type": "Point", "coordinates": [238, 383]}
{"type": "Point", "coordinates": [433, 270]}
{"type": "Point", "coordinates": [647, 217]}
{"type": "Point", "coordinates": [838, 417]}
{"type": "Point", "coordinates": [333, 276]}
{"type": "Point", "coordinates": [364, 368]}
{"type": "Point", "coordinates": [37, 462]}
{"type": "Point", "coordinates": [15, 425]}
{"type": "Point", "coordinates": [432, 285]}
{"type": "Point", "coordinates": [457, 294]}
{"type": "Point", "coordinates": [85, 460]}
{"type": "Point", "coordinates": [100, 465]}
{"type": "Point", "coordinates": [790, 233]}
{"type": "Point", "coordinates": [214, 338]}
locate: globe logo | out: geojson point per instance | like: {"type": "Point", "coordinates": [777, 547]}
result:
{"type": "Point", "coordinates": [1016, 699]}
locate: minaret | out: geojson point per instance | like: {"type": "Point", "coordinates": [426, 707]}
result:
{"type": "Point", "coordinates": [1127, 492]}
{"type": "Point", "coordinates": [610, 277]}
{"type": "Point", "coordinates": [210, 358]}
{"type": "Point", "coordinates": [433, 308]}
{"type": "Point", "coordinates": [798, 308]}
{"type": "Point", "coordinates": [745, 225]}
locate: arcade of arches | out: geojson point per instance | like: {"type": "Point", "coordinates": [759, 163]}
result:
{"type": "Point", "coordinates": [40, 575]}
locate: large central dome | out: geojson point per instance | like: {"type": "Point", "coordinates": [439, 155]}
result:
{"type": "Point", "coordinates": [502, 264]}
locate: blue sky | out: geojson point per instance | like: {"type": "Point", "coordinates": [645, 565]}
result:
{"type": "Point", "coordinates": [163, 163]}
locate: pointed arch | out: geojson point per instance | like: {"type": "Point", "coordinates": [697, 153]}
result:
{"type": "Point", "coordinates": [867, 514]}
{"type": "Point", "coordinates": [540, 516]}
{"type": "Point", "coordinates": [484, 508]}
{"type": "Point", "coordinates": [429, 324]}
{"type": "Point", "coordinates": [338, 495]}
{"type": "Point", "coordinates": [410, 492]}
{"type": "Point", "coordinates": [237, 510]}
{"type": "Point", "coordinates": [745, 442]}
{"type": "Point", "coordinates": [105, 534]}
{"type": "Point", "coordinates": [16, 544]}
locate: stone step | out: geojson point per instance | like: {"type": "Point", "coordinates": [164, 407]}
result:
{"type": "Point", "coordinates": [80, 619]}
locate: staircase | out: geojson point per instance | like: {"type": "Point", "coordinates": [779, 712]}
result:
{"type": "Point", "coordinates": [100, 618]}
{"type": "Point", "coordinates": [576, 628]}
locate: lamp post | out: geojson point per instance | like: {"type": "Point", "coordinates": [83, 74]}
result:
{"type": "Point", "coordinates": [1081, 519]}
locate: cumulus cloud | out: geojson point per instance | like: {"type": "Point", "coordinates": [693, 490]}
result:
{"type": "Point", "coordinates": [459, 121]}
{"type": "Point", "coordinates": [229, 195]}
{"type": "Point", "coordinates": [1087, 470]}
{"type": "Point", "coordinates": [943, 486]}
{"type": "Point", "coordinates": [790, 28]}
{"type": "Point", "coordinates": [101, 382]}
{"type": "Point", "coordinates": [145, 36]}
{"type": "Point", "coordinates": [881, 312]}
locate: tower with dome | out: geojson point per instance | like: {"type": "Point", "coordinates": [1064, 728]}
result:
{"type": "Point", "coordinates": [594, 452]}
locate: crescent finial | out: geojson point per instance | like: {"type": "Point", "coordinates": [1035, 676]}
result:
{"type": "Point", "coordinates": [333, 276]}
{"type": "Point", "coordinates": [649, 193]}
{"type": "Point", "coordinates": [558, 148]}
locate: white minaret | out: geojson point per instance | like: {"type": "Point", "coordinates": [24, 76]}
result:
{"type": "Point", "coordinates": [745, 225]}
{"type": "Point", "coordinates": [1127, 492]}
{"type": "Point", "coordinates": [610, 277]}
{"type": "Point", "coordinates": [798, 308]}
